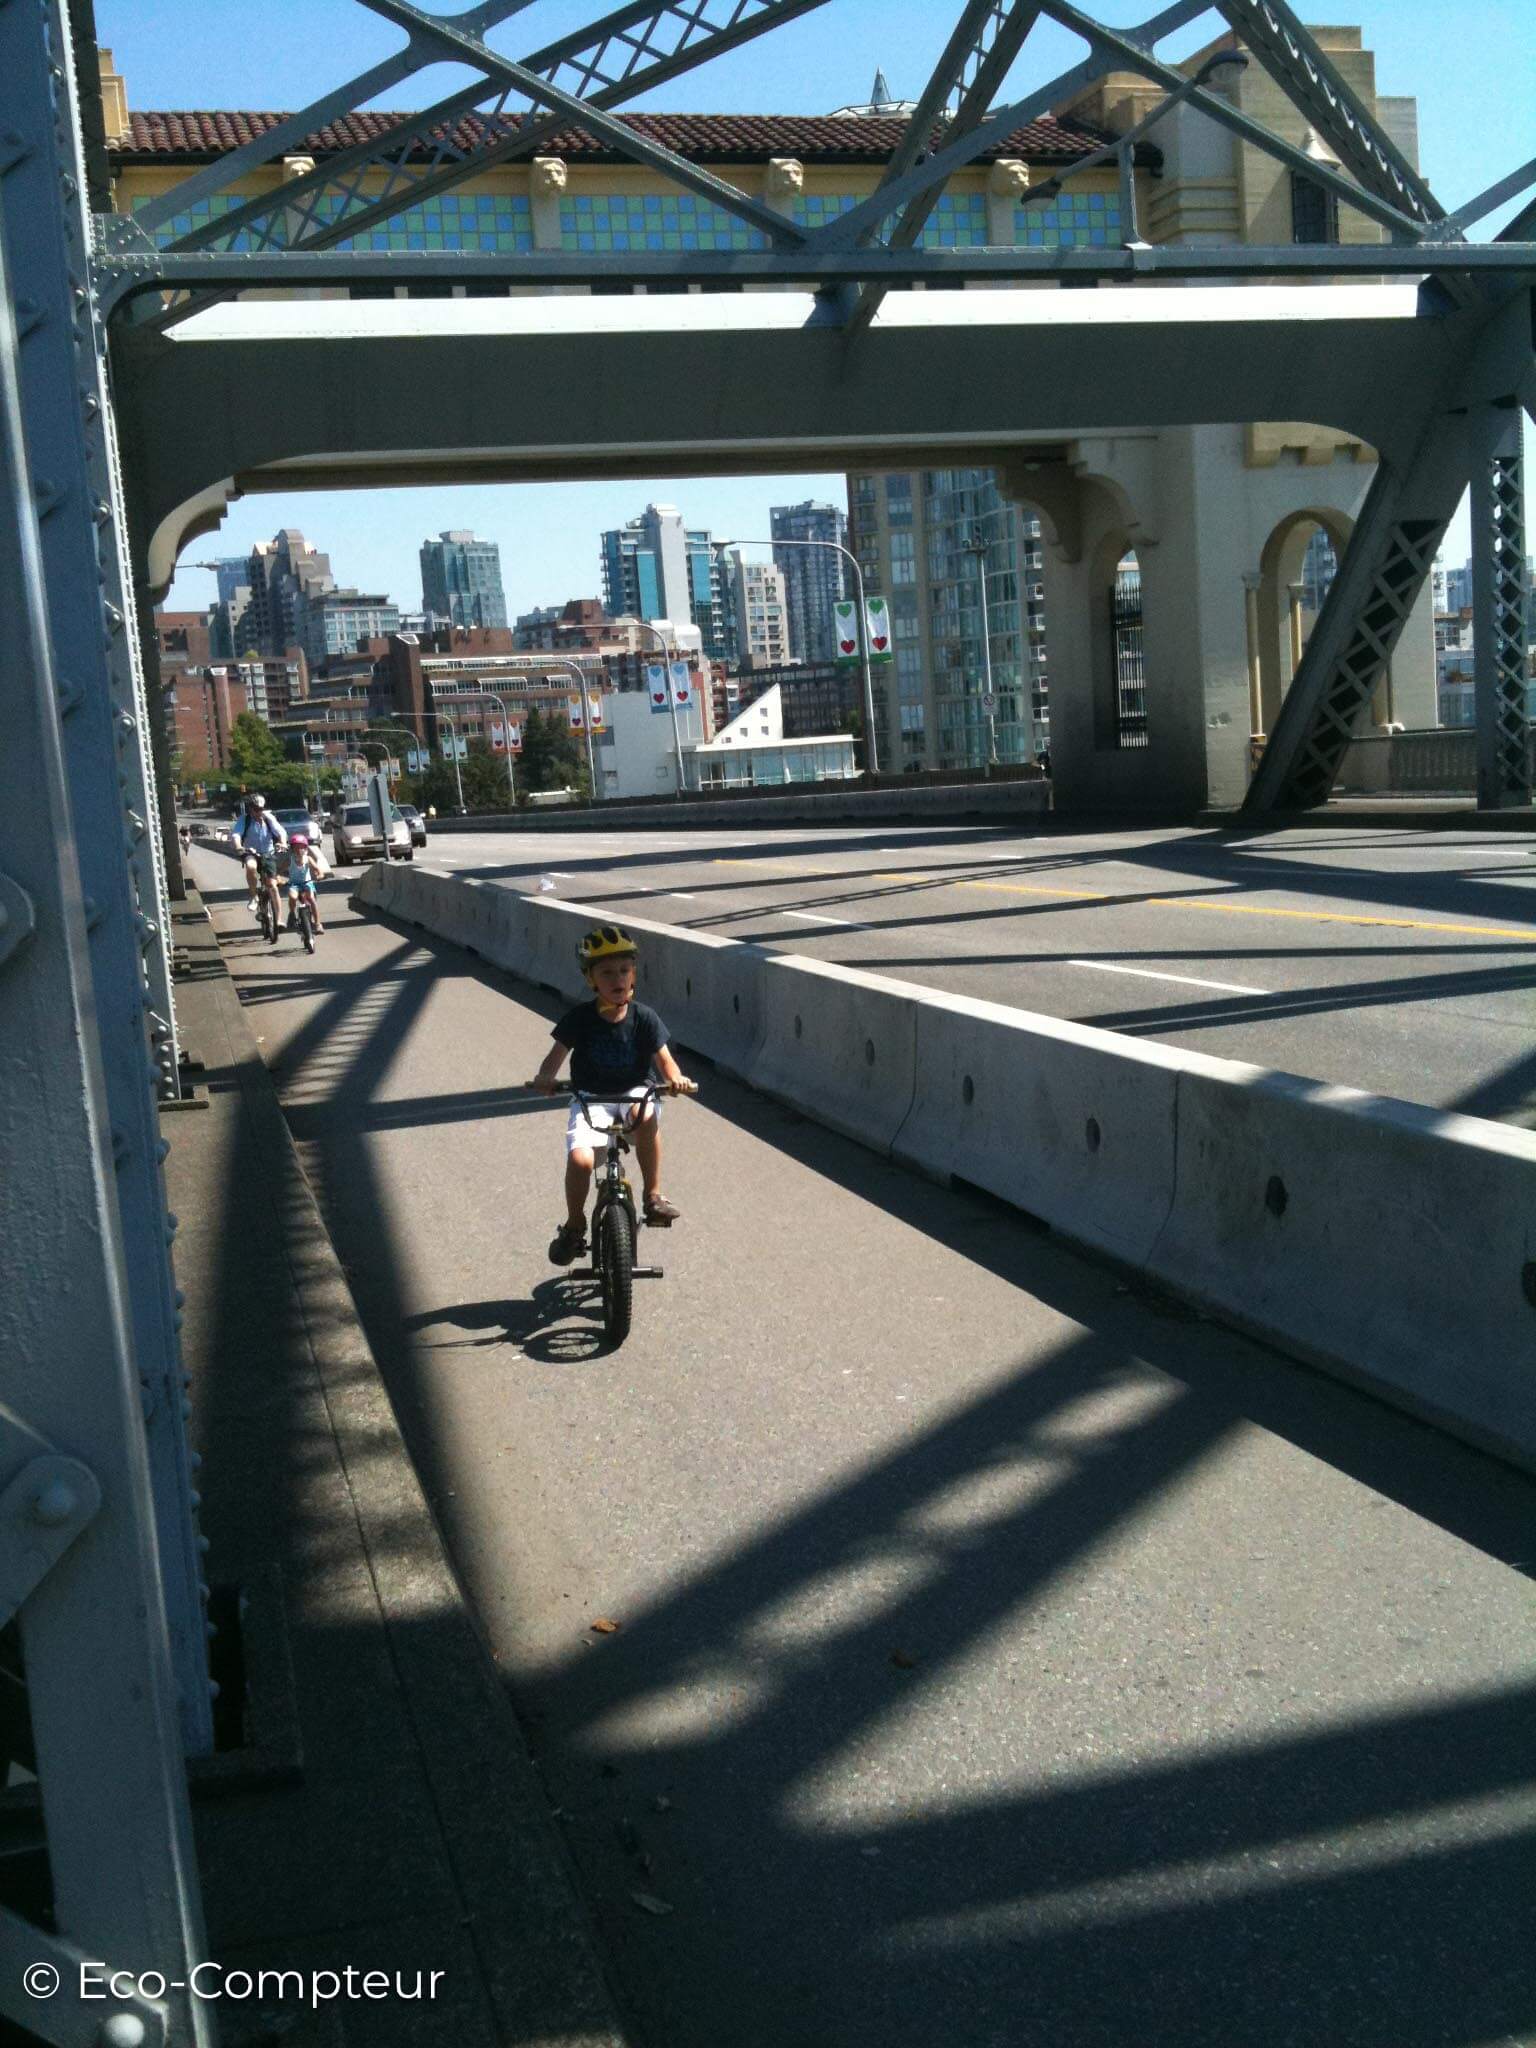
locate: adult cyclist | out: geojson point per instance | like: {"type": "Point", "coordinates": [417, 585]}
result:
{"type": "Point", "coordinates": [259, 835]}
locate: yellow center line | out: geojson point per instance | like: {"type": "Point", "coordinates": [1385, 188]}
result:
{"type": "Point", "coordinates": [790, 867]}
{"type": "Point", "coordinates": [1407, 924]}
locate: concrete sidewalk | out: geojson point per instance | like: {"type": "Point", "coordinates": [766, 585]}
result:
{"type": "Point", "coordinates": [1003, 1659]}
{"type": "Point", "coordinates": [398, 1823]}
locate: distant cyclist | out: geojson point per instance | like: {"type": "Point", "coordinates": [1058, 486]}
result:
{"type": "Point", "coordinates": [259, 836]}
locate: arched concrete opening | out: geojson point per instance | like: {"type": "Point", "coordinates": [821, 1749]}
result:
{"type": "Point", "coordinates": [1293, 578]}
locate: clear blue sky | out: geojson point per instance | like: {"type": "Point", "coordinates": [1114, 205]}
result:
{"type": "Point", "coordinates": [1471, 68]}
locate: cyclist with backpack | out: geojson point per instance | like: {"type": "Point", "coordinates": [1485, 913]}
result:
{"type": "Point", "coordinates": [258, 835]}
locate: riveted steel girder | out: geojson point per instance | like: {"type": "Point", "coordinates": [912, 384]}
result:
{"type": "Point", "coordinates": [1500, 596]}
{"type": "Point", "coordinates": [100, 1679]}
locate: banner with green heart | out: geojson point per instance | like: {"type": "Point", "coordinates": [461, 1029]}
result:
{"type": "Point", "coordinates": [845, 632]}
{"type": "Point", "coordinates": [877, 623]}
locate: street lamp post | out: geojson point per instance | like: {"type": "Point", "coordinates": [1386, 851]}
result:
{"type": "Point", "coordinates": [666, 659]}
{"type": "Point", "coordinates": [490, 697]}
{"type": "Point", "coordinates": [565, 675]}
{"type": "Point", "coordinates": [443, 718]}
{"type": "Point", "coordinates": [371, 738]}
{"type": "Point", "coordinates": [977, 546]}
{"type": "Point", "coordinates": [871, 747]}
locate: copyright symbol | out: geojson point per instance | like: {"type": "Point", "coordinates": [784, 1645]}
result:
{"type": "Point", "coordinates": [40, 1980]}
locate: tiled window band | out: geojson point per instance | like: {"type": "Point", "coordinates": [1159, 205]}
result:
{"type": "Point", "coordinates": [500, 222]}
{"type": "Point", "coordinates": [1073, 221]}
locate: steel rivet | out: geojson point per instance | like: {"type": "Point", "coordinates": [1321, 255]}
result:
{"type": "Point", "coordinates": [123, 2030]}
{"type": "Point", "coordinates": [55, 1505]}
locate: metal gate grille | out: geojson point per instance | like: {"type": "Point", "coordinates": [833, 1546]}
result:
{"type": "Point", "coordinates": [1125, 631]}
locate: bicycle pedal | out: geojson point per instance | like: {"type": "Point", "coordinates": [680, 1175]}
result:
{"type": "Point", "coordinates": [659, 1222]}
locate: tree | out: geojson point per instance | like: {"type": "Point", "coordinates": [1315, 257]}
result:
{"type": "Point", "coordinates": [553, 757]}
{"type": "Point", "coordinates": [482, 774]}
{"type": "Point", "coordinates": [255, 757]}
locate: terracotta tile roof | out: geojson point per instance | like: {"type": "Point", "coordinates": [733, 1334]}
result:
{"type": "Point", "coordinates": [704, 138]}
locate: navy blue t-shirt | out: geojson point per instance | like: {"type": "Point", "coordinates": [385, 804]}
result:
{"type": "Point", "coordinates": [611, 1056]}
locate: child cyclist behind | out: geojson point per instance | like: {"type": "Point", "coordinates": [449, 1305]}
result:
{"type": "Point", "coordinates": [614, 1043]}
{"type": "Point", "coordinates": [303, 873]}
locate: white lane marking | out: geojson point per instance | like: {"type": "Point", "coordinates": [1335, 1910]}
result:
{"type": "Point", "coordinates": [1233, 988]}
{"type": "Point", "coordinates": [677, 896]}
{"type": "Point", "coordinates": [810, 917]}
{"type": "Point", "coordinates": [560, 875]}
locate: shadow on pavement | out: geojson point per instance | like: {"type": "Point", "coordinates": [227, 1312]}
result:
{"type": "Point", "coordinates": [1361, 1885]}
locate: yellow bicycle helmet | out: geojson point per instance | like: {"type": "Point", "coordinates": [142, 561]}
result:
{"type": "Point", "coordinates": [606, 942]}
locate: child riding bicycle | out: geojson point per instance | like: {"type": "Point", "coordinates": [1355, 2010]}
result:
{"type": "Point", "coordinates": [614, 1042]}
{"type": "Point", "coordinates": [303, 873]}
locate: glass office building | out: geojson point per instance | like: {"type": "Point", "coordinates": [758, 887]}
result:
{"type": "Point", "coordinates": [924, 540]}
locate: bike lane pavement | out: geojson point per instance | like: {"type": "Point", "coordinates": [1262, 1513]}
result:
{"type": "Point", "coordinates": [999, 1656]}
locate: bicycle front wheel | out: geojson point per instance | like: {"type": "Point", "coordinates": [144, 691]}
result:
{"type": "Point", "coordinates": [307, 927]}
{"type": "Point", "coordinates": [615, 1265]}
{"type": "Point", "coordinates": [268, 921]}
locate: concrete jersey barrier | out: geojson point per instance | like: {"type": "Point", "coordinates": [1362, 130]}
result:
{"type": "Point", "coordinates": [1393, 1244]}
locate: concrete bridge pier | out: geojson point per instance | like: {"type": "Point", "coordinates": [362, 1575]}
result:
{"type": "Point", "coordinates": [1216, 520]}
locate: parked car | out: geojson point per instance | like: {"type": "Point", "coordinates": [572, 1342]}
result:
{"type": "Point", "coordinates": [417, 823]}
{"type": "Point", "coordinates": [353, 837]}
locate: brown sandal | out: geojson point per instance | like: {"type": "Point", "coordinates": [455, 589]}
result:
{"type": "Point", "coordinates": [660, 1213]}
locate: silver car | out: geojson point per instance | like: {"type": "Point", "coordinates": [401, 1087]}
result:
{"type": "Point", "coordinates": [301, 821]}
{"type": "Point", "coordinates": [353, 837]}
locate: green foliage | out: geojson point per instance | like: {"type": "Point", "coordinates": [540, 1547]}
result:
{"type": "Point", "coordinates": [553, 756]}
{"type": "Point", "coordinates": [255, 756]}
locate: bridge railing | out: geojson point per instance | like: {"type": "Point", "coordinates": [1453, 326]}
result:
{"type": "Point", "coordinates": [1440, 761]}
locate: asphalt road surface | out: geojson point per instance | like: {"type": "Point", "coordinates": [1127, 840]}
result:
{"type": "Point", "coordinates": [1000, 1657]}
{"type": "Point", "coordinates": [1403, 962]}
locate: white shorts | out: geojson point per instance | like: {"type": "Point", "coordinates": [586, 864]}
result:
{"type": "Point", "coordinates": [586, 1128]}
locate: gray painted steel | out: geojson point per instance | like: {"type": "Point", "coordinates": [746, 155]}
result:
{"type": "Point", "coordinates": [1499, 598]}
{"type": "Point", "coordinates": [75, 1488]}
{"type": "Point", "coordinates": [113, 807]}
{"type": "Point", "coordinates": [1383, 569]}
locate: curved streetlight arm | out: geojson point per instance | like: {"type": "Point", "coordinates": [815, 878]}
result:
{"type": "Point", "coordinates": [485, 697]}
{"type": "Point", "coordinates": [871, 746]}
{"type": "Point", "coordinates": [443, 718]}
{"type": "Point", "coordinates": [580, 681]}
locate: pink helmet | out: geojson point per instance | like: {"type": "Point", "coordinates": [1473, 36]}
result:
{"type": "Point", "coordinates": [299, 841]}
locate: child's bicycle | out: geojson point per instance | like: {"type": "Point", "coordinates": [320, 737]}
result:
{"type": "Point", "coordinates": [614, 1218]}
{"type": "Point", "coordinates": [301, 918]}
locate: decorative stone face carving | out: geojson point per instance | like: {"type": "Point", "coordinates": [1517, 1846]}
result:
{"type": "Point", "coordinates": [549, 175]}
{"type": "Point", "coordinates": [1009, 177]}
{"type": "Point", "coordinates": [786, 180]}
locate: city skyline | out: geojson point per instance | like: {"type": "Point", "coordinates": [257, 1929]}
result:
{"type": "Point", "coordinates": [550, 535]}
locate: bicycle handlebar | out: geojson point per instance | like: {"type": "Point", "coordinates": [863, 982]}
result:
{"type": "Point", "coordinates": [651, 1091]}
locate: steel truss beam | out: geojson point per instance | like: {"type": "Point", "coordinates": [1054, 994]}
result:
{"type": "Point", "coordinates": [965, 81]}
{"type": "Point", "coordinates": [74, 1475]}
{"type": "Point", "coordinates": [634, 48]}
{"type": "Point", "coordinates": [628, 52]}
{"type": "Point", "coordinates": [1315, 87]}
{"type": "Point", "coordinates": [72, 450]}
{"type": "Point", "coordinates": [1389, 555]}
{"type": "Point", "coordinates": [129, 267]}
{"type": "Point", "coordinates": [1499, 598]}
